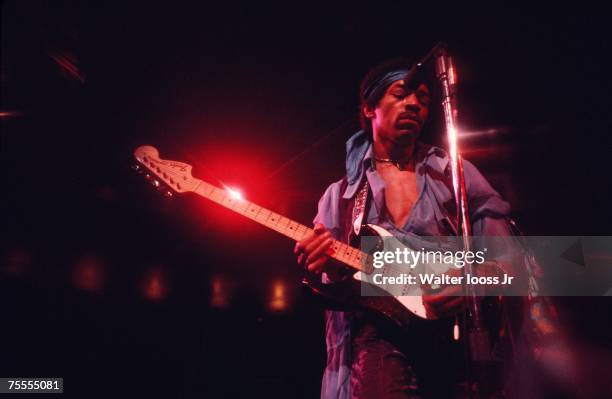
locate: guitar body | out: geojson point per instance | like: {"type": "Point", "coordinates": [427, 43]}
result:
{"type": "Point", "coordinates": [402, 310]}
{"type": "Point", "coordinates": [347, 295]}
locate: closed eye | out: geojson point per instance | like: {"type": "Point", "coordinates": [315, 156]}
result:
{"type": "Point", "coordinates": [423, 97]}
{"type": "Point", "coordinates": [399, 93]}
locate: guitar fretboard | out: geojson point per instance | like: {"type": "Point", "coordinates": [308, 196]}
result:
{"type": "Point", "coordinates": [344, 253]}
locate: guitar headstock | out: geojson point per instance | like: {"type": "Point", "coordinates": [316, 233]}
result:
{"type": "Point", "coordinates": [176, 175]}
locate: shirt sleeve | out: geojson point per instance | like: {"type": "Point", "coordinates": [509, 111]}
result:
{"type": "Point", "coordinates": [483, 200]}
{"type": "Point", "coordinates": [328, 213]}
{"type": "Point", "coordinates": [329, 216]}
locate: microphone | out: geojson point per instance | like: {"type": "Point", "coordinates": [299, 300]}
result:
{"type": "Point", "coordinates": [440, 46]}
{"type": "Point", "coordinates": [445, 72]}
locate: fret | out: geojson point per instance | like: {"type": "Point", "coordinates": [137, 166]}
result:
{"type": "Point", "coordinates": [217, 196]}
{"type": "Point", "coordinates": [286, 230]}
{"type": "Point", "coordinates": [356, 256]}
{"type": "Point", "coordinates": [359, 257]}
{"type": "Point", "coordinates": [293, 227]}
{"type": "Point", "coordinates": [245, 210]}
{"type": "Point", "coordinates": [201, 188]}
{"type": "Point", "coordinates": [210, 192]}
{"type": "Point", "coordinates": [279, 219]}
{"type": "Point", "coordinates": [265, 215]}
{"type": "Point", "coordinates": [299, 233]}
{"type": "Point", "coordinates": [349, 255]}
{"type": "Point", "coordinates": [277, 224]}
{"type": "Point", "coordinates": [302, 231]}
{"type": "Point", "coordinates": [242, 207]}
{"type": "Point", "coordinates": [335, 249]}
{"type": "Point", "coordinates": [258, 212]}
{"type": "Point", "coordinates": [274, 218]}
{"type": "Point", "coordinates": [252, 211]}
{"type": "Point", "coordinates": [286, 225]}
{"type": "Point", "coordinates": [229, 202]}
{"type": "Point", "coordinates": [290, 228]}
{"type": "Point", "coordinates": [340, 253]}
{"type": "Point", "coordinates": [205, 189]}
{"type": "Point", "coordinates": [273, 221]}
{"type": "Point", "coordinates": [238, 205]}
{"type": "Point", "coordinates": [306, 231]}
{"type": "Point", "coordinates": [222, 198]}
{"type": "Point", "coordinates": [355, 262]}
{"type": "Point", "coordinates": [345, 250]}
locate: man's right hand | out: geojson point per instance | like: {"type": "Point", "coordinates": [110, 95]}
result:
{"type": "Point", "coordinates": [313, 250]}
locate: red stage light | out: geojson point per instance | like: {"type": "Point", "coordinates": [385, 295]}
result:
{"type": "Point", "coordinates": [89, 274]}
{"type": "Point", "coordinates": [279, 297]}
{"type": "Point", "coordinates": [220, 293]}
{"type": "Point", "coordinates": [154, 286]}
{"type": "Point", "coordinates": [9, 114]}
{"type": "Point", "coordinates": [17, 261]}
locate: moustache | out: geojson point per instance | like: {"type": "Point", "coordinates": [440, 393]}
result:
{"type": "Point", "coordinates": [411, 116]}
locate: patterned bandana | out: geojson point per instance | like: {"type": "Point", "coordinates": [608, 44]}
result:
{"type": "Point", "coordinates": [377, 88]}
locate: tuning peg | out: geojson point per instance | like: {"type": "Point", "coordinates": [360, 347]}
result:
{"type": "Point", "coordinates": [168, 194]}
{"type": "Point", "coordinates": [138, 169]}
{"type": "Point", "coordinates": [147, 176]}
{"type": "Point", "coordinates": [155, 183]}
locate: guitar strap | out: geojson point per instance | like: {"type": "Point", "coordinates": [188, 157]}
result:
{"type": "Point", "coordinates": [353, 210]}
{"type": "Point", "coordinates": [359, 208]}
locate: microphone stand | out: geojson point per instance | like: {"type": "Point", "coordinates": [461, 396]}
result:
{"type": "Point", "coordinates": [477, 335]}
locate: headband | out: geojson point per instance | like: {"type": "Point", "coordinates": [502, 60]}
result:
{"type": "Point", "coordinates": [377, 88]}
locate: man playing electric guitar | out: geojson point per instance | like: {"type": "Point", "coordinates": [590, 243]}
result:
{"type": "Point", "coordinates": [409, 193]}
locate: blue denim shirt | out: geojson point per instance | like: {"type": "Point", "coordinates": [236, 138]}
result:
{"type": "Point", "coordinates": [428, 217]}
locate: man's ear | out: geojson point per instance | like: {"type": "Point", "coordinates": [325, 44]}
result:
{"type": "Point", "coordinates": [368, 112]}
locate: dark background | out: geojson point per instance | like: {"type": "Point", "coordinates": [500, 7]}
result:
{"type": "Point", "coordinates": [106, 283]}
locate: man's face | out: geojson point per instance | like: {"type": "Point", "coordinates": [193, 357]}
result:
{"type": "Point", "coordinates": [400, 113]}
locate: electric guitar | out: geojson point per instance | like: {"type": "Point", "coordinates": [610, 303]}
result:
{"type": "Point", "coordinates": [402, 309]}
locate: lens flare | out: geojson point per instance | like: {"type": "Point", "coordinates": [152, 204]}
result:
{"type": "Point", "coordinates": [234, 193]}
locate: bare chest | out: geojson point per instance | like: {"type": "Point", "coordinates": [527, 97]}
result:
{"type": "Point", "coordinates": [401, 193]}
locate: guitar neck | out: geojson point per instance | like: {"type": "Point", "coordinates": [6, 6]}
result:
{"type": "Point", "coordinates": [344, 253]}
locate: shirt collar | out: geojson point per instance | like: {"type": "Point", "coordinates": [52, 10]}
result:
{"type": "Point", "coordinates": [360, 154]}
